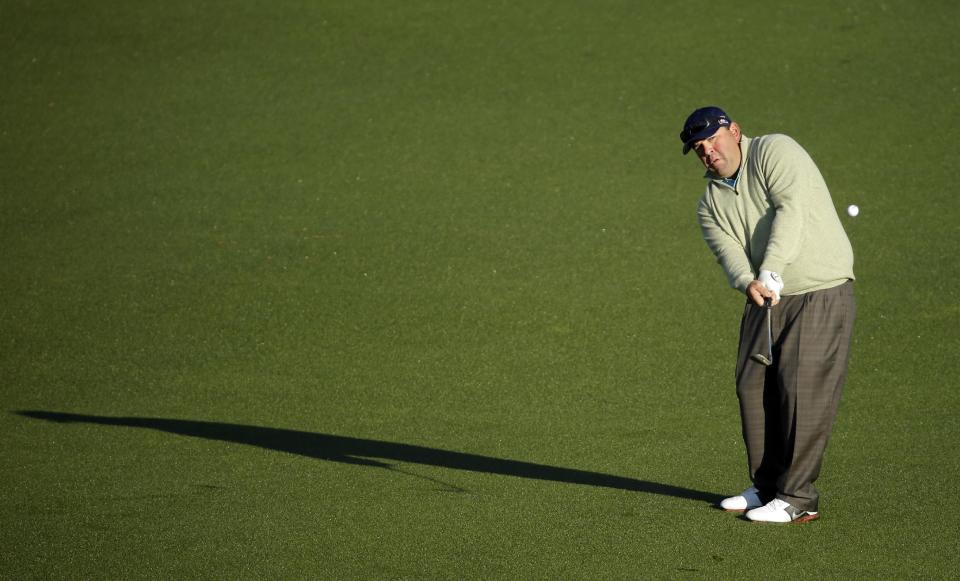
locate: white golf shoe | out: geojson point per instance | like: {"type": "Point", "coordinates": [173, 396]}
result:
{"type": "Point", "coordinates": [779, 511]}
{"type": "Point", "coordinates": [746, 500]}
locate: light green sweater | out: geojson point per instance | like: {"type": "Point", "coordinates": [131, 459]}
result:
{"type": "Point", "coordinates": [778, 217]}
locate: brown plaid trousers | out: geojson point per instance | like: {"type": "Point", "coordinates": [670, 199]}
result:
{"type": "Point", "coordinates": [787, 410]}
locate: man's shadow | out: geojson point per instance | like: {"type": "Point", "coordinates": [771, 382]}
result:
{"type": "Point", "coordinates": [374, 453]}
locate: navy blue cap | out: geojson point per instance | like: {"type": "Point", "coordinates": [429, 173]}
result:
{"type": "Point", "coordinates": [701, 124]}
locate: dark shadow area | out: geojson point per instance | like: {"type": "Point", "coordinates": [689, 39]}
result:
{"type": "Point", "coordinates": [373, 453]}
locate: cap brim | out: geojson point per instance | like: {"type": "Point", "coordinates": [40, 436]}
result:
{"type": "Point", "coordinates": [702, 135]}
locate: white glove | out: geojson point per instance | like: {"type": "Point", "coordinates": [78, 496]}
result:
{"type": "Point", "coordinates": [772, 281]}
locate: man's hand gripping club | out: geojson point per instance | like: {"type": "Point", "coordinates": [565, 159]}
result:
{"type": "Point", "coordinates": [767, 286]}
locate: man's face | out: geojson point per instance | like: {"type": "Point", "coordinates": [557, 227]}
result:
{"type": "Point", "coordinates": [720, 153]}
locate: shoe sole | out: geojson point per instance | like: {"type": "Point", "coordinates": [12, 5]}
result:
{"type": "Point", "coordinates": [809, 517]}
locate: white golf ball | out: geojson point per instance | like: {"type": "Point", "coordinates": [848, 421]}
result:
{"type": "Point", "coordinates": [853, 210]}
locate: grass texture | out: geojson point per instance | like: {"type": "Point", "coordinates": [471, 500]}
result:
{"type": "Point", "coordinates": [415, 290]}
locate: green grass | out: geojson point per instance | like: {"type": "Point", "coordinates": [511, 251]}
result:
{"type": "Point", "coordinates": [443, 256]}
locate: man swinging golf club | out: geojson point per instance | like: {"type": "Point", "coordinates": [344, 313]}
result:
{"type": "Point", "coordinates": [768, 217]}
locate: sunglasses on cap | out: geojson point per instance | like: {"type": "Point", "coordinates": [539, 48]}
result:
{"type": "Point", "coordinates": [701, 125]}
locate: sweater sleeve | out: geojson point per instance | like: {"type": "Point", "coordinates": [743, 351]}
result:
{"type": "Point", "coordinates": [730, 253]}
{"type": "Point", "coordinates": [789, 170]}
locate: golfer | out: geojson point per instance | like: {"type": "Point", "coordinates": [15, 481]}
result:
{"type": "Point", "coordinates": [770, 221]}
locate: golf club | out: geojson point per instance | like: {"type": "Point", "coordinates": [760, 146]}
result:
{"type": "Point", "coordinates": [767, 358]}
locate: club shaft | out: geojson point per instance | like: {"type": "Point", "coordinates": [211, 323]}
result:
{"type": "Point", "coordinates": [769, 308]}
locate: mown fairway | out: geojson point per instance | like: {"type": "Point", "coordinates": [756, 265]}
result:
{"type": "Point", "coordinates": [415, 290]}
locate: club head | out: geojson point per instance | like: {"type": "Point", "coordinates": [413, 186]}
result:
{"type": "Point", "coordinates": [761, 358]}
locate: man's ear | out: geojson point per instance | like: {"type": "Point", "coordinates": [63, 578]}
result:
{"type": "Point", "coordinates": [735, 129]}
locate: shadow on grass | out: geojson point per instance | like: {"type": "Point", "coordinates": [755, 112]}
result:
{"type": "Point", "coordinates": [373, 452]}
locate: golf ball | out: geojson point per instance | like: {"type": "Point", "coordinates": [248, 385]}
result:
{"type": "Point", "coordinates": [853, 210]}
